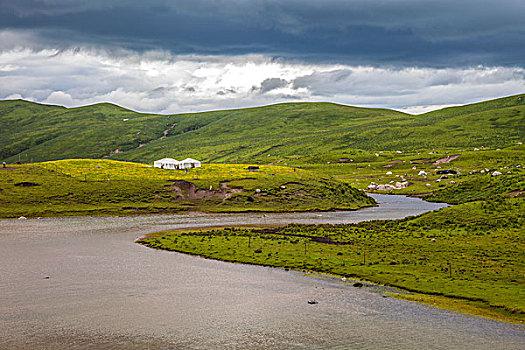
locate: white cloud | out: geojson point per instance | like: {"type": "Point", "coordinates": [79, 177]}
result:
{"type": "Point", "coordinates": [158, 81]}
{"type": "Point", "coordinates": [59, 98]}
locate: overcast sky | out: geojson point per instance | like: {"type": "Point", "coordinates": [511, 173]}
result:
{"type": "Point", "coordinates": [190, 55]}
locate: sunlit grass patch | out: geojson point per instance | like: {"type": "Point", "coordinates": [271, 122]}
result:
{"type": "Point", "coordinates": [112, 187]}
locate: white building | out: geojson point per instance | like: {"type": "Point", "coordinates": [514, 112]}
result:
{"type": "Point", "coordinates": [189, 163]}
{"type": "Point", "coordinates": [167, 163]}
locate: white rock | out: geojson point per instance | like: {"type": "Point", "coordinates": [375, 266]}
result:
{"type": "Point", "coordinates": [22, 218]}
{"type": "Point", "coordinates": [496, 173]}
{"type": "Point", "coordinates": [403, 184]}
{"type": "Point", "coordinates": [386, 187]}
{"type": "Point", "coordinates": [422, 173]}
{"type": "Point", "coordinates": [389, 173]}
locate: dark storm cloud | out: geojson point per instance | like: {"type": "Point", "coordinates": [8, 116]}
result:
{"type": "Point", "coordinates": [395, 32]}
{"type": "Point", "coordinates": [272, 84]}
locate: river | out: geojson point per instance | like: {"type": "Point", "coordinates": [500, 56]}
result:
{"type": "Point", "coordinates": [82, 283]}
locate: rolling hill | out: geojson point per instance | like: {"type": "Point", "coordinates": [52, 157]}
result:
{"type": "Point", "coordinates": [292, 132]}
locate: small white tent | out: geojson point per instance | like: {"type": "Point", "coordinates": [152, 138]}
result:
{"type": "Point", "coordinates": [166, 163]}
{"type": "Point", "coordinates": [189, 163]}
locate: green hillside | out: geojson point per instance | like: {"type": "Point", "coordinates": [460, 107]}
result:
{"type": "Point", "coordinates": [38, 132]}
{"type": "Point", "coordinates": [290, 132]}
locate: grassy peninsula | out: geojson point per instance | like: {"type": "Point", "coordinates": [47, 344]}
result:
{"type": "Point", "coordinates": [106, 187]}
{"type": "Point", "coordinates": [473, 254]}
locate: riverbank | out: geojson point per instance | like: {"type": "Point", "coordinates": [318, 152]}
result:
{"type": "Point", "coordinates": [467, 258]}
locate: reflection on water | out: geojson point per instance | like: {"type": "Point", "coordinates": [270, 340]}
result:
{"type": "Point", "coordinates": [106, 292]}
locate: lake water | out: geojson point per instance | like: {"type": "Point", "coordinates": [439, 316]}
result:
{"type": "Point", "coordinates": [106, 292]}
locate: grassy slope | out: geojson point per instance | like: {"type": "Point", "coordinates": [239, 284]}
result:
{"type": "Point", "coordinates": [111, 187]}
{"type": "Point", "coordinates": [473, 252]}
{"type": "Point", "coordinates": [472, 182]}
{"type": "Point", "coordinates": [39, 132]}
{"type": "Point", "coordinates": [290, 132]}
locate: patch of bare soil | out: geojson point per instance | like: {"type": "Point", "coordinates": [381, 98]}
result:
{"type": "Point", "coordinates": [446, 159]}
{"type": "Point", "coordinates": [228, 191]}
{"type": "Point", "coordinates": [393, 163]}
{"type": "Point", "coordinates": [421, 161]}
{"type": "Point", "coordinates": [188, 191]}
{"type": "Point", "coordinates": [516, 193]}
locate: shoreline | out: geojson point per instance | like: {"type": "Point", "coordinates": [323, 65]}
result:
{"type": "Point", "coordinates": [430, 280]}
{"type": "Point", "coordinates": [436, 300]}
{"type": "Point", "coordinates": [113, 214]}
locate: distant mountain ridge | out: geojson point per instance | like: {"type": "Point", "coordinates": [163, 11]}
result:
{"type": "Point", "coordinates": [300, 132]}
